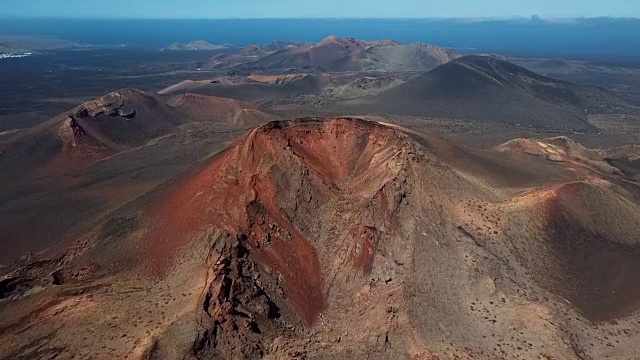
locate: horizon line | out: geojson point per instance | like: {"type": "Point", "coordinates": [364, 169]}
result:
{"type": "Point", "coordinates": [469, 18]}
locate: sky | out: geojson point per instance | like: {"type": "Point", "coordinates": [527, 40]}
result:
{"type": "Point", "coordinates": [242, 9]}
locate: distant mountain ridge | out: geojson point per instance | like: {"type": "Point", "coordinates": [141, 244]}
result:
{"type": "Point", "coordinates": [195, 45]}
{"type": "Point", "coordinates": [336, 54]}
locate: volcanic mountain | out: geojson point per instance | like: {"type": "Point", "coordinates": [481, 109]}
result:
{"type": "Point", "coordinates": [483, 88]}
{"type": "Point", "coordinates": [103, 153]}
{"type": "Point", "coordinates": [121, 121]}
{"type": "Point", "coordinates": [342, 238]}
{"type": "Point", "coordinates": [335, 54]}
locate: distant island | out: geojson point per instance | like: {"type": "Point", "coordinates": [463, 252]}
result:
{"type": "Point", "coordinates": [193, 46]}
{"type": "Point", "coordinates": [14, 55]}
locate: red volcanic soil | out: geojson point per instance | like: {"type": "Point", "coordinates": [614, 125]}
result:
{"type": "Point", "coordinates": [332, 50]}
{"type": "Point", "coordinates": [242, 193]}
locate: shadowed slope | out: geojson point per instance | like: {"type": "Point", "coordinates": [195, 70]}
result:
{"type": "Point", "coordinates": [477, 88]}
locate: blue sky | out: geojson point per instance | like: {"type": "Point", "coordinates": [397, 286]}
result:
{"type": "Point", "coordinates": [234, 9]}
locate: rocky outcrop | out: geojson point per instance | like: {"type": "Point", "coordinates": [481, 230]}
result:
{"type": "Point", "coordinates": [112, 104]}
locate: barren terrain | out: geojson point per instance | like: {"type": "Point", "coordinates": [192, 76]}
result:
{"type": "Point", "coordinates": [289, 201]}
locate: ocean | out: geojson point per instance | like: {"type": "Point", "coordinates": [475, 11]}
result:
{"type": "Point", "coordinates": [599, 37]}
